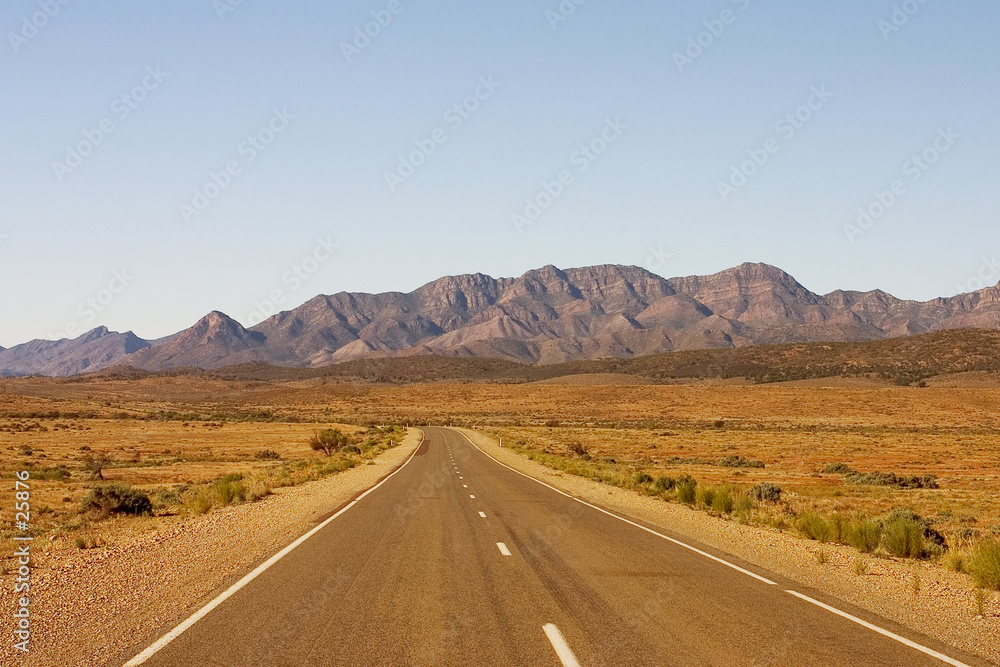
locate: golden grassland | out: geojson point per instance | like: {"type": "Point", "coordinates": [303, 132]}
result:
{"type": "Point", "coordinates": [166, 431]}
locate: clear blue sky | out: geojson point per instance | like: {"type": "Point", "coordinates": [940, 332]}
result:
{"type": "Point", "coordinates": [680, 130]}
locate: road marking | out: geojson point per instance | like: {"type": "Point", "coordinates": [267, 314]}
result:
{"type": "Point", "coordinates": [465, 485]}
{"type": "Point", "coordinates": [482, 514]}
{"type": "Point", "coordinates": [156, 646]}
{"type": "Point", "coordinates": [834, 610]}
{"type": "Point", "coordinates": [559, 644]}
{"type": "Point", "coordinates": [471, 496]}
{"type": "Point", "coordinates": [874, 628]}
{"type": "Point", "coordinates": [503, 548]}
{"type": "Point", "coordinates": [633, 523]}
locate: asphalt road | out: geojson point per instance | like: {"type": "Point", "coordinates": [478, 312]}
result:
{"type": "Point", "coordinates": [458, 560]}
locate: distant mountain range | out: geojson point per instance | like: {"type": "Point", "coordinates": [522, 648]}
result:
{"type": "Point", "coordinates": [546, 316]}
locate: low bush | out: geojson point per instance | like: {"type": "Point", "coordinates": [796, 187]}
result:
{"type": "Point", "coordinates": [116, 499]}
{"type": "Point", "coordinates": [686, 490]}
{"type": "Point", "coordinates": [733, 461]}
{"type": "Point", "coordinates": [723, 502]}
{"type": "Point", "coordinates": [766, 492]}
{"type": "Point", "coordinates": [864, 534]}
{"type": "Point", "coordinates": [229, 489]}
{"type": "Point", "coordinates": [665, 483]}
{"type": "Point", "coordinates": [876, 478]}
{"type": "Point", "coordinates": [904, 538]}
{"type": "Point", "coordinates": [266, 455]}
{"type": "Point", "coordinates": [706, 496]}
{"type": "Point", "coordinates": [837, 469]}
{"type": "Point", "coordinates": [984, 564]}
{"type": "Point", "coordinates": [813, 526]}
{"type": "Point", "coordinates": [643, 478]}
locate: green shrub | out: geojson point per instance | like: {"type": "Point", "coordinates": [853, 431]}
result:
{"type": "Point", "coordinates": [329, 441]}
{"type": "Point", "coordinates": [116, 499]}
{"type": "Point", "coordinates": [899, 527]}
{"type": "Point", "coordinates": [266, 455]}
{"type": "Point", "coordinates": [686, 490]}
{"type": "Point", "coordinates": [706, 496]}
{"type": "Point", "coordinates": [766, 492]}
{"type": "Point", "coordinates": [839, 528]}
{"type": "Point", "coordinates": [984, 565]}
{"type": "Point", "coordinates": [813, 526]}
{"type": "Point", "coordinates": [665, 483]}
{"type": "Point", "coordinates": [864, 535]}
{"type": "Point", "coordinates": [904, 538]}
{"type": "Point", "coordinates": [643, 478]}
{"type": "Point", "coordinates": [199, 502]}
{"type": "Point", "coordinates": [723, 502]}
{"type": "Point", "coordinates": [744, 505]}
{"type": "Point", "coordinates": [229, 489]}
{"type": "Point", "coordinates": [837, 469]}
{"type": "Point", "coordinates": [733, 461]}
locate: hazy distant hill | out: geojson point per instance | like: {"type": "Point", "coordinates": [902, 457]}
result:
{"type": "Point", "coordinates": [546, 316]}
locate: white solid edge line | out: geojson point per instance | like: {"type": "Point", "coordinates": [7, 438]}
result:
{"type": "Point", "coordinates": [559, 644]}
{"type": "Point", "coordinates": [834, 610]}
{"type": "Point", "coordinates": [503, 548]}
{"type": "Point", "coordinates": [156, 646]}
{"type": "Point", "coordinates": [874, 628]}
{"type": "Point", "coordinates": [633, 523]}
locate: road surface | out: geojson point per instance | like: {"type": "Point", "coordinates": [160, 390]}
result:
{"type": "Point", "coordinates": [458, 560]}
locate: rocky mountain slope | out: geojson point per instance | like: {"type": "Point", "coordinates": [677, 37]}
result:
{"type": "Point", "coordinates": [546, 316]}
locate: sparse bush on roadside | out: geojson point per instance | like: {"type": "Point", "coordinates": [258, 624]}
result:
{"type": "Point", "coordinates": [837, 469]}
{"type": "Point", "coordinates": [229, 489]}
{"type": "Point", "coordinates": [578, 449]}
{"type": "Point", "coordinates": [813, 527]}
{"type": "Point", "coordinates": [956, 560]}
{"type": "Point", "coordinates": [329, 441]}
{"type": "Point", "coordinates": [93, 465]}
{"type": "Point", "coordinates": [723, 502]}
{"type": "Point", "coordinates": [116, 499]}
{"type": "Point", "coordinates": [984, 564]}
{"type": "Point", "coordinates": [642, 478]}
{"type": "Point", "coordinates": [665, 483]}
{"type": "Point", "coordinates": [198, 502]}
{"type": "Point", "coordinates": [908, 535]}
{"type": "Point", "coordinates": [876, 478]}
{"type": "Point", "coordinates": [839, 528]}
{"type": "Point", "coordinates": [686, 489]}
{"type": "Point", "coordinates": [266, 455]}
{"type": "Point", "coordinates": [766, 492]}
{"type": "Point", "coordinates": [864, 534]}
{"type": "Point", "coordinates": [706, 496]}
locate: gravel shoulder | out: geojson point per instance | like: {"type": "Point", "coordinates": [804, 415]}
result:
{"type": "Point", "coordinates": [91, 607]}
{"type": "Point", "coordinates": [942, 608]}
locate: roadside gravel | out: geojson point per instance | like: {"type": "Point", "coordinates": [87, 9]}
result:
{"type": "Point", "coordinates": [92, 607]}
{"type": "Point", "coordinates": [942, 606]}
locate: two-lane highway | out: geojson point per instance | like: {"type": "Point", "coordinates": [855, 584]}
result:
{"type": "Point", "coordinates": [458, 560]}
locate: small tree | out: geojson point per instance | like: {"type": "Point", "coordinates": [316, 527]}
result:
{"type": "Point", "coordinates": [328, 441]}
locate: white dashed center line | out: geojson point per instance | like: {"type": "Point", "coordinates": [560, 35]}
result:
{"type": "Point", "coordinates": [559, 644]}
{"type": "Point", "coordinates": [503, 548]}
{"type": "Point", "coordinates": [482, 514]}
